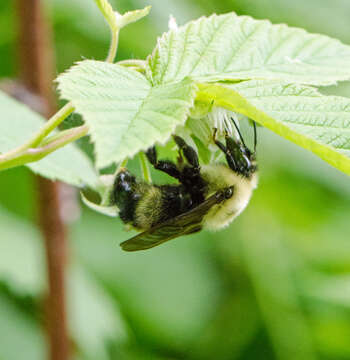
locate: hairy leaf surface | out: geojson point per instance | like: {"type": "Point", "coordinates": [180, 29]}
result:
{"type": "Point", "coordinates": [124, 112]}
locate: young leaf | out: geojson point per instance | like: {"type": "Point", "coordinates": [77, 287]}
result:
{"type": "Point", "coordinates": [230, 47]}
{"type": "Point", "coordinates": [131, 16]}
{"type": "Point", "coordinates": [298, 113]}
{"type": "Point", "coordinates": [68, 164]}
{"type": "Point", "coordinates": [108, 13]}
{"type": "Point", "coordinates": [124, 112]}
{"type": "Point", "coordinates": [117, 21]}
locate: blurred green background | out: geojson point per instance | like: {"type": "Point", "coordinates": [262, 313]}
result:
{"type": "Point", "coordinates": [275, 285]}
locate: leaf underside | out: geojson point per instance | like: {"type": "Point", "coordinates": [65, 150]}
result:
{"type": "Point", "coordinates": [298, 113]}
{"type": "Point", "coordinates": [128, 112]}
{"type": "Point", "coordinates": [231, 47]}
{"type": "Point", "coordinates": [124, 112]}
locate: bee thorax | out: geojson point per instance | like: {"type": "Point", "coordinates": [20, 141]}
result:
{"type": "Point", "coordinates": [220, 176]}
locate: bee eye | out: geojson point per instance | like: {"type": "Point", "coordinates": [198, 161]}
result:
{"type": "Point", "coordinates": [228, 193]}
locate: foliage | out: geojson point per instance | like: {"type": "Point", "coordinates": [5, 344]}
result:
{"type": "Point", "coordinates": [301, 114]}
{"type": "Point", "coordinates": [205, 51]}
{"type": "Point", "coordinates": [104, 93]}
{"type": "Point", "coordinates": [231, 47]}
{"type": "Point", "coordinates": [68, 164]}
{"type": "Point", "coordinates": [272, 286]}
{"type": "Point", "coordinates": [153, 98]}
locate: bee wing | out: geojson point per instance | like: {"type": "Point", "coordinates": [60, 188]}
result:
{"type": "Point", "coordinates": [187, 223]}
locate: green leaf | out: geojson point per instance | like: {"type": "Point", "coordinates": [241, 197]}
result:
{"type": "Point", "coordinates": [68, 164]}
{"type": "Point", "coordinates": [298, 113]}
{"type": "Point", "coordinates": [230, 47]}
{"type": "Point", "coordinates": [108, 13]}
{"type": "Point", "coordinates": [131, 16]}
{"type": "Point", "coordinates": [109, 210]}
{"type": "Point", "coordinates": [124, 112]}
{"type": "Point", "coordinates": [117, 21]}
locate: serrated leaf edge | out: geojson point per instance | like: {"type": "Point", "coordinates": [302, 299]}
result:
{"type": "Point", "coordinates": [164, 37]}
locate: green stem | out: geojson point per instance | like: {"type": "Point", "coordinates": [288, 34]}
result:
{"type": "Point", "coordinates": [64, 134]}
{"type": "Point", "coordinates": [48, 127]}
{"type": "Point", "coordinates": [34, 154]}
{"type": "Point", "coordinates": [145, 168]}
{"type": "Point", "coordinates": [133, 62]}
{"type": "Point", "coordinates": [121, 165]}
{"type": "Point", "coordinates": [114, 45]}
{"type": "Point", "coordinates": [36, 147]}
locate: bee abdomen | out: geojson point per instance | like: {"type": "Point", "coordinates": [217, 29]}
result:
{"type": "Point", "coordinates": [148, 209]}
{"type": "Point", "coordinates": [161, 203]}
{"type": "Point", "coordinates": [144, 205]}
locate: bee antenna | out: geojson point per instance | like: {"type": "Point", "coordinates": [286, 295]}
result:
{"type": "Point", "coordinates": [239, 133]}
{"type": "Point", "coordinates": [255, 137]}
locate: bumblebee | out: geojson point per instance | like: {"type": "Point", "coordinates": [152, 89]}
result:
{"type": "Point", "coordinates": [207, 196]}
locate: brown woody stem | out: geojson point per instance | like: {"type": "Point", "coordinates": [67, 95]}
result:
{"type": "Point", "coordinates": [37, 69]}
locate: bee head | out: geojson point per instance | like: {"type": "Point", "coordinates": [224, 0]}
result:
{"type": "Point", "coordinates": [239, 157]}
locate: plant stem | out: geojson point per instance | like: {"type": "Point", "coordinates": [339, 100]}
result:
{"type": "Point", "coordinates": [113, 46]}
{"type": "Point", "coordinates": [37, 69]}
{"type": "Point", "coordinates": [49, 126]}
{"type": "Point", "coordinates": [145, 168]}
{"type": "Point", "coordinates": [48, 146]}
{"type": "Point", "coordinates": [133, 63]}
{"type": "Point", "coordinates": [16, 156]}
{"type": "Point", "coordinates": [71, 134]}
{"type": "Point", "coordinates": [121, 165]}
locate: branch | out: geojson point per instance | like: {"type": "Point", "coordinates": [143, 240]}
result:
{"type": "Point", "coordinates": [15, 158]}
{"type": "Point", "coordinates": [37, 69]}
{"type": "Point", "coordinates": [145, 168]}
{"type": "Point", "coordinates": [113, 46]}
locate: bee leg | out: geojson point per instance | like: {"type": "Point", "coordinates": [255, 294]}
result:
{"type": "Point", "coordinates": [191, 175]}
{"type": "Point", "coordinates": [162, 165]}
{"type": "Point", "coordinates": [188, 151]}
{"type": "Point", "coordinates": [236, 150]}
{"type": "Point", "coordinates": [124, 195]}
{"type": "Point", "coordinates": [226, 150]}
{"type": "Point", "coordinates": [219, 144]}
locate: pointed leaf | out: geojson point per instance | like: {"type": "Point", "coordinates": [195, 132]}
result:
{"type": "Point", "coordinates": [131, 16]}
{"type": "Point", "coordinates": [124, 112]}
{"type": "Point", "coordinates": [229, 47]}
{"type": "Point", "coordinates": [117, 21]}
{"type": "Point", "coordinates": [108, 13]}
